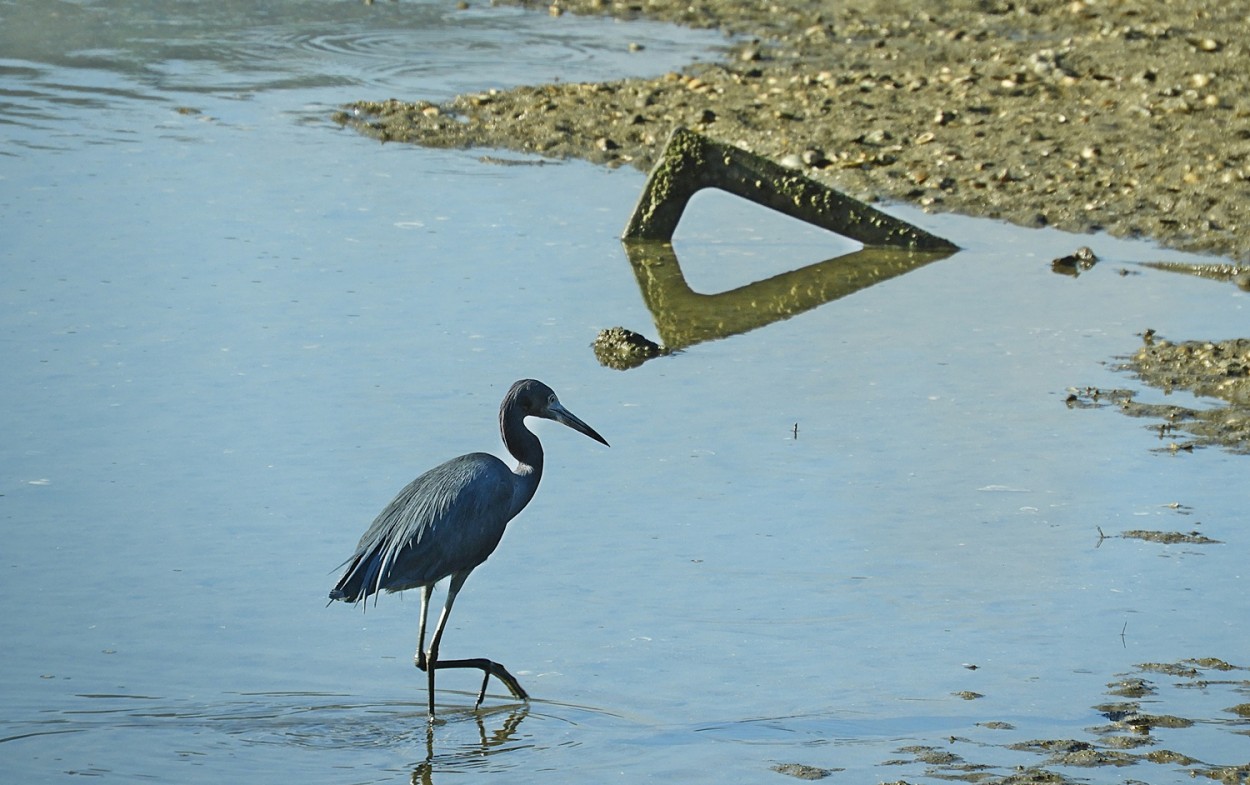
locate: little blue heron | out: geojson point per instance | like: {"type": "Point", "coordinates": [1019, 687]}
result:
{"type": "Point", "coordinates": [449, 520]}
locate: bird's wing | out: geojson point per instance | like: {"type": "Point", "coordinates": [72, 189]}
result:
{"type": "Point", "coordinates": [447, 520]}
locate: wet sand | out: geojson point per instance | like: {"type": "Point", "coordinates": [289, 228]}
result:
{"type": "Point", "coordinates": [1130, 117]}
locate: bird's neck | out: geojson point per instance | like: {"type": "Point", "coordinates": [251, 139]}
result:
{"type": "Point", "coordinates": [528, 451]}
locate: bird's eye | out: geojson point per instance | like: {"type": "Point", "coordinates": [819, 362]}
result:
{"type": "Point", "coordinates": [552, 400]}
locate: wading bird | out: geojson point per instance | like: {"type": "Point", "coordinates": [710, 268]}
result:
{"type": "Point", "coordinates": [449, 520]}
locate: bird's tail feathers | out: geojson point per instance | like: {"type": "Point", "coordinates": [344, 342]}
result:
{"type": "Point", "coordinates": [364, 577]}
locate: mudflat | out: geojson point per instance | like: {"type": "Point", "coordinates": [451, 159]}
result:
{"type": "Point", "coordinates": [1128, 117]}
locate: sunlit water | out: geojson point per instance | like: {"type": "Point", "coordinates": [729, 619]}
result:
{"type": "Point", "coordinates": [231, 331]}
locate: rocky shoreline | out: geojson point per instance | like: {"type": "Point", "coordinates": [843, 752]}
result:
{"type": "Point", "coordinates": [1129, 117]}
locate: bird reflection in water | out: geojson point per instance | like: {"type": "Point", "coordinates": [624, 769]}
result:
{"type": "Point", "coordinates": [497, 732]}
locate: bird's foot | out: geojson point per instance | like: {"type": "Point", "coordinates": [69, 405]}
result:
{"type": "Point", "coordinates": [509, 681]}
{"type": "Point", "coordinates": [489, 668]}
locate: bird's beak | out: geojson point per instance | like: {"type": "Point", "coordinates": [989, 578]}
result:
{"type": "Point", "coordinates": [557, 412]}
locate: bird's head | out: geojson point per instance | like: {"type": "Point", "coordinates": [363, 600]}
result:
{"type": "Point", "coordinates": [535, 399]}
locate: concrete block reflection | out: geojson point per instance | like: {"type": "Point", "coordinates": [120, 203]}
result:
{"type": "Point", "coordinates": [684, 317]}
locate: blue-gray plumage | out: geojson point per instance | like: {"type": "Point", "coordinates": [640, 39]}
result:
{"type": "Point", "coordinates": [450, 519]}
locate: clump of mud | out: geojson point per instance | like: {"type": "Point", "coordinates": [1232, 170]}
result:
{"type": "Point", "coordinates": [1207, 368]}
{"type": "Point", "coordinates": [1217, 370]}
{"type": "Point", "coordinates": [622, 349]}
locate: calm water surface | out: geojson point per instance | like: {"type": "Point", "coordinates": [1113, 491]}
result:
{"type": "Point", "coordinates": [231, 331]}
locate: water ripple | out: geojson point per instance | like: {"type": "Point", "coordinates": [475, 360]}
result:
{"type": "Point", "coordinates": [463, 740]}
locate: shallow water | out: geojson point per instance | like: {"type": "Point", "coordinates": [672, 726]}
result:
{"type": "Point", "coordinates": [231, 331]}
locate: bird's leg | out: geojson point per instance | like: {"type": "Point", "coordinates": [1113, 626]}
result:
{"type": "Point", "coordinates": [488, 667]}
{"type": "Point", "coordinates": [432, 664]}
{"type": "Point", "coordinates": [429, 676]}
{"type": "Point", "coordinates": [419, 659]}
